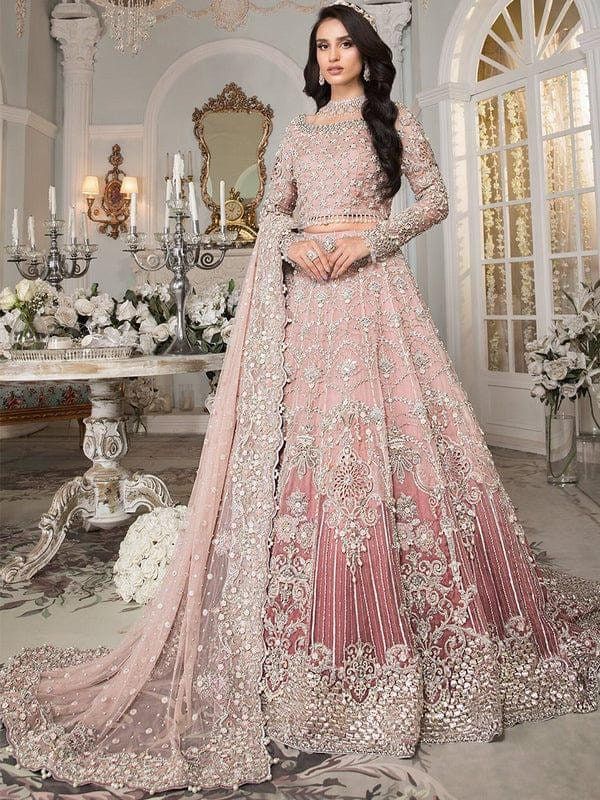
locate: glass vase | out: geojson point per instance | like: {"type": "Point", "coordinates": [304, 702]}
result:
{"type": "Point", "coordinates": [25, 337]}
{"type": "Point", "coordinates": [589, 412]}
{"type": "Point", "coordinates": [561, 444]}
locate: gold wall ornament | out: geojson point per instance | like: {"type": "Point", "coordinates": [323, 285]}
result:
{"type": "Point", "coordinates": [233, 130]}
{"type": "Point", "coordinates": [114, 202]}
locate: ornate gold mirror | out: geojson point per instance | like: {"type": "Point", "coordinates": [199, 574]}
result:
{"type": "Point", "coordinates": [232, 130]}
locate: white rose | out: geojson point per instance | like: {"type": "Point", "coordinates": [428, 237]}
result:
{"type": "Point", "coordinates": [557, 370]}
{"type": "Point", "coordinates": [66, 316]}
{"type": "Point", "coordinates": [148, 325]}
{"type": "Point", "coordinates": [25, 290]}
{"type": "Point", "coordinates": [7, 299]}
{"type": "Point", "coordinates": [534, 368]}
{"type": "Point", "coordinates": [126, 311]}
{"type": "Point", "coordinates": [44, 324]}
{"type": "Point", "coordinates": [210, 333]}
{"type": "Point", "coordinates": [143, 312]}
{"type": "Point", "coordinates": [100, 319]}
{"type": "Point", "coordinates": [548, 383]}
{"type": "Point", "coordinates": [161, 332]}
{"type": "Point", "coordinates": [84, 307]}
{"type": "Point", "coordinates": [103, 301]}
{"type": "Point", "coordinates": [538, 391]}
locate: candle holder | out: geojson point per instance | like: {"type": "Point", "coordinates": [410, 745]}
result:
{"type": "Point", "coordinates": [70, 261]}
{"type": "Point", "coordinates": [179, 252]}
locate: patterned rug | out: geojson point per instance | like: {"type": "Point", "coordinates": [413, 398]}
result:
{"type": "Point", "coordinates": [73, 601]}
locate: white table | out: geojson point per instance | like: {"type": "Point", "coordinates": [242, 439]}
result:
{"type": "Point", "coordinates": [107, 494]}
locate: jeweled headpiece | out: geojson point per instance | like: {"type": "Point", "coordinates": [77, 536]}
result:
{"type": "Point", "coordinates": [358, 8]}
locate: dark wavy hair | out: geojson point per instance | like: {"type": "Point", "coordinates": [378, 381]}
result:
{"type": "Point", "coordinates": [378, 110]}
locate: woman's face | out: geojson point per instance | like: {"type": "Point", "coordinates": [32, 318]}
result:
{"type": "Point", "coordinates": [335, 49]}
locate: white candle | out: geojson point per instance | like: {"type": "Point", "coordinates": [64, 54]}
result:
{"type": "Point", "coordinates": [84, 228]}
{"type": "Point", "coordinates": [193, 206]}
{"type": "Point", "coordinates": [71, 229]}
{"type": "Point", "coordinates": [169, 190]}
{"type": "Point", "coordinates": [166, 225]}
{"type": "Point", "coordinates": [133, 211]}
{"type": "Point", "coordinates": [15, 227]}
{"type": "Point", "coordinates": [190, 162]}
{"type": "Point", "coordinates": [178, 171]}
{"type": "Point", "coordinates": [31, 231]}
{"type": "Point", "coordinates": [52, 201]}
{"type": "Point", "coordinates": [222, 202]}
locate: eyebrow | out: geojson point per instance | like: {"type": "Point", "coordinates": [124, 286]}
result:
{"type": "Point", "coordinates": [337, 39]}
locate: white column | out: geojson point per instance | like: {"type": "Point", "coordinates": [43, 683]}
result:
{"type": "Point", "coordinates": [77, 36]}
{"type": "Point", "coordinates": [392, 19]}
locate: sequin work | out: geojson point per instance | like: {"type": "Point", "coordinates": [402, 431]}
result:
{"type": "Point", "coordinates": [351, 575]}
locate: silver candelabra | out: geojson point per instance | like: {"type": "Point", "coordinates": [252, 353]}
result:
{"type": "Point", "coordinates": [71, 261]}
{"type": "Point", "coordinates": [179, 252]}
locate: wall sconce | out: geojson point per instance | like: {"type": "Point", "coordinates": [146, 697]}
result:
{"type": "Point", "coordinates": [115, 197]}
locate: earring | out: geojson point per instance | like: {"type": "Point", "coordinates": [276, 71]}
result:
{"type": "Point", "coordinates": [367, 72]}
{"type": "Point", "coordinates": [321, 79]}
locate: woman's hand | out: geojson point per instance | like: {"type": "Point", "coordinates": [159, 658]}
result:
{"type": "Point", "coordinates": [348, 250]}
{"type": "Point", "coordinates": [319, 268]}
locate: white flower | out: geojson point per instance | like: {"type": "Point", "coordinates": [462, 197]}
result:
{"type": "Point", "coordinates": [161, 332]}
{"type": "Point", "coordinates": [103, 301]}
{"type": "Point", "coordinates": [8, 298]}
{"type": "Point", "coordinates": [25, 290]}
{"type": "Point", "coordinates": [538, 391]}
{"type": "Point", "coordinates": [84, 307]}
{"type": "Point", "coordinates": [143, 312]}
{"type": "Point", "coordinates": [557, 370]}
{"type": "Point", "coordinates": [146, 551]}
{"type": "Point", "coordinates": [100, 318]}
{"type": "Point", "coordinates": [126, 311]}
{"type": "Point", "coordinates": [172, 325]}
{"type": "Point", "coordinates": [226, 329]}
{"type": "Point", "coordinates": [66, 316]}
{"type": "Point", "coordinates": [548, 383]}
{"type": "Point", "coordinates": [534, 368]}
{"type": "Point", "coordinates": [129, 335]}
{"type": "Point", "coordinates": [147, 325]}
{"type": "Point", "coordinates": [44, 324]}
{"type": "Point", "coordinates": [147, 344]}
{"type": "Point", "coordinates": [209, 333]}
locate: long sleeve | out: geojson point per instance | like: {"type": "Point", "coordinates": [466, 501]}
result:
{"type": "Point", "coordinates": [419, 165]}
{"type": "Point", "coordinates": [281, 194]}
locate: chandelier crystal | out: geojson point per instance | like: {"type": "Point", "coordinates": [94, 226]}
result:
{"type": "Point", "coordinates": [131, 22]}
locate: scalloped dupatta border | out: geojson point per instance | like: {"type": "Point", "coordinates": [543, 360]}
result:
{"type": "Point", "coordinates": [177, 703]}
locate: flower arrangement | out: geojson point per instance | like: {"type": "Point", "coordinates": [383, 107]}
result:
{"type": "Point", "coordinates": [144, 317]}
{"type": "Point", "coordinates": [566, 363]}
{"type": "Point", "coordinates": [145, 553]}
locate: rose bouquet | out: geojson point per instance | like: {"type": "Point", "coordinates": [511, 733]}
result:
{"type": "Point", "coordinates": [144, 317]}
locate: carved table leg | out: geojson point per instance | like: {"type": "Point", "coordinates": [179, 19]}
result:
{"type": "Point", "coordinates": [106, 496]}
{"type": "Point", "coordinates": [72, 502]}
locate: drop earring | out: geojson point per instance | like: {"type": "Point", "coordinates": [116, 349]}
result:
{"type": "Point", "coordinates": [367, 72]}
{"type": "Point", "coordinates": [321, 79]}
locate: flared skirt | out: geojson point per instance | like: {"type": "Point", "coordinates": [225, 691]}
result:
{"type": "Point", "coordinates": [404, 602]}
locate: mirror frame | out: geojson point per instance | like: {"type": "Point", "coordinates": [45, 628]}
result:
{"type": "Point", "coordinates": [240, 213]}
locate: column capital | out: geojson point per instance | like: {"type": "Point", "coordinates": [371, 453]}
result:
{"type": "Point", "coordinates": [391, 20]}
{"type": "Point", "coordinates": [78, 38]}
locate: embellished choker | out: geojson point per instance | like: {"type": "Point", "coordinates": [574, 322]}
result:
{"type": "Point", "coordinates": [343, 105]}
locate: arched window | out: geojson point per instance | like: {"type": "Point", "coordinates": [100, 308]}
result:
{"type": "Point", "coordinates": [537, 194]}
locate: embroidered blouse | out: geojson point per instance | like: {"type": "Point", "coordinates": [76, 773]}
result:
{"type": "Point", "coordinates": [326, 172]}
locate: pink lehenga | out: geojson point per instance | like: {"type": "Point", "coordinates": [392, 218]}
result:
{"type": "Point", "coordinates": [351, 575]}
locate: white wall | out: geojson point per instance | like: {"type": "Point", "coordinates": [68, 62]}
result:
{"type": "Point", "coordinates": [28, 73]}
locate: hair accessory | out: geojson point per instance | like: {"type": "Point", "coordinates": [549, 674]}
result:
{"type": "Point", "coordinates": [360, 10]}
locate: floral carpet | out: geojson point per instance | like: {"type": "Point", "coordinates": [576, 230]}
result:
{"type": "Point", "coordinates": [73, 601]}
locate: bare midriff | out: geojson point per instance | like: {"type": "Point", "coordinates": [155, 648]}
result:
{"type": "Point", "coordinates": [339, 226]}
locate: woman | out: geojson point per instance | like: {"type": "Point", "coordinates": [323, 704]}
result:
{"type": "Point", "coordinates": [351, 575]}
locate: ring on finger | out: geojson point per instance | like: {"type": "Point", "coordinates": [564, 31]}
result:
{"type": "Point", "coordinates": [312, 254]}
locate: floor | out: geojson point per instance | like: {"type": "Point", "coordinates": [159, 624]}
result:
{"type": "Point", "coordinates": [73, 602]}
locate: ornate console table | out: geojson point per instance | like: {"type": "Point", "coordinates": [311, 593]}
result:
{"type": "Point", "coordinates": [107, 494]}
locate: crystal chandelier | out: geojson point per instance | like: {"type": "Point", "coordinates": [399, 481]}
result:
{"type": "Point", "coordinates": [131, 21]}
